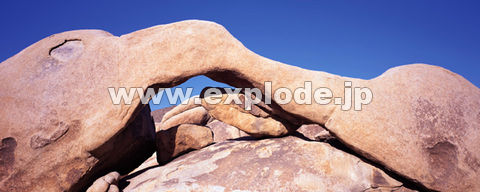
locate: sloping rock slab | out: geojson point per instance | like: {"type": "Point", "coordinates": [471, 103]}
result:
{"type": "Point", "coordinates": [281, 164]}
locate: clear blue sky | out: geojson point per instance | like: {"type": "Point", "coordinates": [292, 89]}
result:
{"type": "Point", "coordinates": [357, 39]}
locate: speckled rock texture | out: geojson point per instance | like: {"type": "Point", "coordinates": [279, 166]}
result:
{"type": "Point", "coordinates": [282, 164]}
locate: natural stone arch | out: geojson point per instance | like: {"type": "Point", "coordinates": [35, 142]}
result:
{"type": "Point", "coordinates": [390, 130]}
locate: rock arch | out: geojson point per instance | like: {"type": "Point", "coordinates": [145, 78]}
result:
{"type": "Point", "coordinates": [38, 90]}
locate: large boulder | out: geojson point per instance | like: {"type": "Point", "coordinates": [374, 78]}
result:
{"type": "Point", "coordinates": [196, 116]}
{"type": "Point", "coordinates": [181, 139]}
{"type": "Point", "coordinates": [424, 123]}
{"type": "Point", "coordinates": [122, 152]}
{"type": "Point", "coordinates": [282, 164]}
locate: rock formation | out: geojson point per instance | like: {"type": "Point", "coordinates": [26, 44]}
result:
{"type": "Point", "coordinates": [181, 139]}
{"type": "Point", "coordinates": [107, 183]}
{"type": "Point", "coordinates": [58, 123]}
{"type": "Point", "coordinates": [281, 164]}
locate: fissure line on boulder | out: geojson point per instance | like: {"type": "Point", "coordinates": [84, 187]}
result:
{"type": "Point", "coordinates": [59, 45]}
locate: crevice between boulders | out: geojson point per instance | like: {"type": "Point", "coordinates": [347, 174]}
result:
{"type": "Point", "coordinates": [338, 144]}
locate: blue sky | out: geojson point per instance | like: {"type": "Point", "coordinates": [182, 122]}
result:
{"type": "Point", "coordinates": [350, 38]}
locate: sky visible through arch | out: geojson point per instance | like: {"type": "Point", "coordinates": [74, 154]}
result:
{"type": "Point", "coordinates": [350, 38]}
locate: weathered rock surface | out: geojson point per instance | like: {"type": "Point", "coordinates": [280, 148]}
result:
{"type": "Point", "coordinates": [107, 183]}
{"type": "Point", "coordinates": [256, 122]}
{"type": "Point", "coordinates": [176, 133]}
{"type": "Point", "coordinates": [123, 152]}
{"type": "Point", "coordinates": [196, 116]}
{"type": "Point", "coordinates": [181, 139]}
{"type": "Point", "coordinates": [246, 120]}
{"type": "Point", "coordinates": [184, 106]}
{"type": "Point", "coordinates": [314, 132]}
{"type": "Point", "coordinates": [282, 164]}
{"type": "Point", "coordinates": [158, 114]}
{"type": "Point", "coordinates": [181, 130]}
{"type": "Point", "coordinates": [423, 122]}
{"type": "Point", "coordinates": [222, 131]}
{"type": "Point", "coordinates": [149, 163]}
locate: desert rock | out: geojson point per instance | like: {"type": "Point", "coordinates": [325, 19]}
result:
{"type": "Point", "coordinates": [107, 183]}
{"type": "Point", "coordinates": [158, 114]}
{"type": "Point", "coordinates": [181, 139]}
{"type": "Point", "coordinates": [423, 122]}
{"type": "Point", "coordinates": [222, 131]}
{"type": "Point", "coordinates": [282, 164]}
{"type": "Point", "coordinates": [196, 116]}
{"type": "Point", "coordinates": [314, 132]}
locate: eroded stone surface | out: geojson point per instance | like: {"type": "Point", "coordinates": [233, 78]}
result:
{"type": "Point", "coordinates": [69, 49]}
{"type": "Point", "coordinates": [222, 131]}
{"type": "Point", "coordinates": [421, 123]}
{"type": "Point", "coordinates": [196, 116]}
{"type": "Point", "coordinates": [157, 115]}
{"type": "Point", "coordinates": [107, 183]}
{"type": "Point", "coordinates": [314, 132]}
{"type": "Point", "coordinates": [181, 139]}
{"type": "Point", "coordinates": [283, 164]}
{"type": "Point", "coordinates": [256, 122]}
{"type": "Point", "coordinates": [7, 156]}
